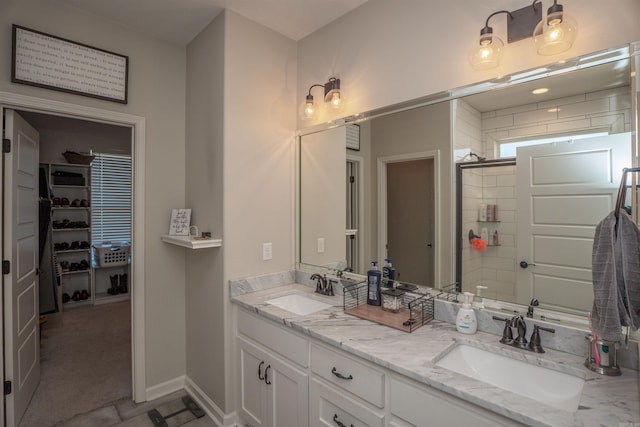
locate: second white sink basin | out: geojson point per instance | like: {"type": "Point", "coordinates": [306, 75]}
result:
{"type": "Point", "coordinates": [545, 385]}
{"type": "Point", "coordinates": [298, 304]}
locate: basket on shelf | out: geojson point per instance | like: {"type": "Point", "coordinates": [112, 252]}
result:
{"type": "Point", "coordinates": [78, 158]}
{"type": "Point", "coordinates": [111, 255]}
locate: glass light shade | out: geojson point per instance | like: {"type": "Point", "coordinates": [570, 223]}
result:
{"type": "Point", "coordinates": [486, 53]}
{"type": "Point", "coordinates": [334, 100]}
{"type": "Point", "coordinates": [307, 110]}
{"type": "Point", "coordinates": [555, 34]}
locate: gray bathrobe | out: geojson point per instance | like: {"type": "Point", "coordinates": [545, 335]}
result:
{"type": "Point", "coordinates": [616, 277]}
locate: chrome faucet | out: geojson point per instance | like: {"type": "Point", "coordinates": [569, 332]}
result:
{"type": "Point", "coordinates": [323, 286]}
{"type": "Point", "coordinates": [534, 303]}
{"type": "Point", "coordinates": [520, 341]}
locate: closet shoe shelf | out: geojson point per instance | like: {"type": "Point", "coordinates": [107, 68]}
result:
{"type": "Point", "coordinates": [190, 242]}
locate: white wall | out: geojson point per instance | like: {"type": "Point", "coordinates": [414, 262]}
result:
{"type": "Point", "coordinates": [240, 151]}
{"type": "Point", "coordinates": [386, 52]}
{"type": "Point", "coordinates": [158, 94]}
{"type": "Point", "coordinates": [205, 286]}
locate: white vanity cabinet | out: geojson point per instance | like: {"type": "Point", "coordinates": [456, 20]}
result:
{"type": "Point", "coordinates": [273, 392]}
{"type": "Point", "coordinates": [417, 405]}
{"type": "Point", "coordinates": [287, 379]}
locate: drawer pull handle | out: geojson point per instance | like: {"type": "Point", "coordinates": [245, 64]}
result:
{"type": "Point", "coordinates": [266, 375]}
{"type": "Point", "coordinates": [260, 371]}
{"type": "Point", "coordinates": [338, 422]}
{"type": "Point", "coordinates": [335, 372]}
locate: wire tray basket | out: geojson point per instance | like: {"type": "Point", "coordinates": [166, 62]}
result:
{"type": "Point", "coordinates": [416, 310]}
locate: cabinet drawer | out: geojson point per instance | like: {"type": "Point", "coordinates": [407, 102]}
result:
{"type": "Point", "coordinates": [350, 374]}
{"type": "Point", "coordinates": [285, 343]}
{"type": "Point", "coordinates": [328, 407]}
{"type": "Point", "coordinates": [414, 405]}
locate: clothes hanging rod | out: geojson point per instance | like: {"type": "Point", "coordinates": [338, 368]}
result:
{"type": "Point", "coordinates": [631, 170]}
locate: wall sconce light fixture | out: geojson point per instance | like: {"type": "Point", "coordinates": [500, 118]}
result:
{"type": "Point", "coordinates": [554, 34]}
{"type": "Point", "coordinates": [332, 98]}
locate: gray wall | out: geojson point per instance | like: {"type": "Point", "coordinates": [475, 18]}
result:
{"type": "Point", "coordinates": [158, 94]}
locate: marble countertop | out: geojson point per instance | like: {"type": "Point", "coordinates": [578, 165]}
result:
{"type": "Point", "coordinates": [605, 401]}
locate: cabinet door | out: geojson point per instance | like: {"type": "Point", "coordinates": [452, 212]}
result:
{"type": "Point", "coordinates": [288, 394]}
{"type": "Point", "coordinates": [253, 389]}
{"type": "Point", "coordinates": [273, 393]}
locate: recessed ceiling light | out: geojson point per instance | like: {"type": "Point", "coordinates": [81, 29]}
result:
{"type": "Point", "coordinates": [540, 90]}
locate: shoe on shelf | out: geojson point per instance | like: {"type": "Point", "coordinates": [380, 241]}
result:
{"type": "Point", "coordinates": [75, 203]}
{"type": "Point", "coordinates": [66, 298]}
{"type": "Point", "coordinates": [123, 284]}
{"type": "Point", "coordinates": [76, 296]}
{"type": "Point", "coordinates": [64, 265]}
{"type": "Point", "coordinates": [55, 201]}
{"type": "Point", "coordinates": [64, 202]}
{"type": "Point", "coordinates": [84, 245]}
{"type": "Point", "coordinates": [83, 265]}
{"type": "Point", "coordinates": [84, 294]}
{"type": "Point", "coordinates": [75, 245]}
{"type": "Point", "coordinates": [84, 203]}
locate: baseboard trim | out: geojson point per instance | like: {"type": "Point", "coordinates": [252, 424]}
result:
{"type": "Point", "coordinates": [213, 411]}
{"type": "Point", "coordinates": [165, 388]}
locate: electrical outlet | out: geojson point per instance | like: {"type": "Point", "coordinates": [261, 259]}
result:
{"type": "Point", "coordinates": [267, 251]}
{"type": "Point", "coordinates": [320, 245]}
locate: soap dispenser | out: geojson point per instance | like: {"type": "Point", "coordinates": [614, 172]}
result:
{"type": "Point", "coordinates": [466, 322]}
{"type": "Point", "coordinates": [374, 277]}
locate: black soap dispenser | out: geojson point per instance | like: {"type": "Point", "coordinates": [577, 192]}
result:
{"type": "Point", "coordinates": [374, 278]}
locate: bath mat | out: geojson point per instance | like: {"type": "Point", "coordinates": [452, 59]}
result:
{"type": "Point", "coordinates": [175, 413]}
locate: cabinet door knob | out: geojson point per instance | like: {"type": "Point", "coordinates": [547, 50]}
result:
{"type": "Point", "coordinates": [335, 372]}
{"type": "Point", "coordinates": [338, 422]}
{"type": "Point", "coordinates": [260, 371]}
{"type": "Point", "coordinates": [266, 375]}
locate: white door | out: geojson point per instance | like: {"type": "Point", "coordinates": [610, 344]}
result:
{"type": "Point", "coordinates": [20, 247]}
{"type": "Point", "coordinates": [564, 190]}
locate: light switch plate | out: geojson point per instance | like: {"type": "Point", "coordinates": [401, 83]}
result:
{"type": "Point", "coordinates": [320, 245]}
{"type": "Point", "coordinates": [267, 251]}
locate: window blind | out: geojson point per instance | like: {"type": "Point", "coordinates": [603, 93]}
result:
{"type": "Point", "coordinates": [111, 198]}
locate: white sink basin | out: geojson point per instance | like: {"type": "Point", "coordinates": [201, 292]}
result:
{"type": "Point", "coordinates": [298, 304]}
{"type": "Point", "coordinates": [545, 385]}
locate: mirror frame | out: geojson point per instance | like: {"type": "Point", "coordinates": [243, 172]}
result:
{"type": "Point", "coordinates": [629, 51]}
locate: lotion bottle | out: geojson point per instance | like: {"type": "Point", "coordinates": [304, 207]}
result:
{"type": "Point", "coordinates": [466, 322]}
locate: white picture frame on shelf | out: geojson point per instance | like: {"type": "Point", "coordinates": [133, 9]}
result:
{"type": "Point", "coordinates": [180, 222]}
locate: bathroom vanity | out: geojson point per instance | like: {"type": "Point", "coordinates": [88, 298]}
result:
{"type": "Point", "coordinates": [329, 368]}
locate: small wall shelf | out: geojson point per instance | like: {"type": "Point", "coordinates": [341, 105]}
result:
{"type": "Point", "coordinates": [190, 242]}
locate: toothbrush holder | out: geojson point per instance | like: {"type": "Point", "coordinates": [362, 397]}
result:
{"type": "Point", "coordinates": [608, 354]}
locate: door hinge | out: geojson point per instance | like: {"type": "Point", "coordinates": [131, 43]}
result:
{"type": "Point", "coordinates": [6, 145]}
{"type": "Point", "coordinates": [7, 388]}
{"type": "Point", "coordinates": [352, 179]}
{"type": "Point", "coordinates": [6, 266]}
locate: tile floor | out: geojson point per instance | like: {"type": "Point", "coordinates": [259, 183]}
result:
{"type": "Point", "coordinates": [129, 414]}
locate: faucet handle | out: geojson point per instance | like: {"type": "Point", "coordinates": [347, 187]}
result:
{"type": "Point", "coordinates": [535, 344]}
{"type": "Point", "coordinates": [507, 333]}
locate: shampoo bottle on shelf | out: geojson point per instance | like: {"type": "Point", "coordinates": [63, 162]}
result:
{"type": "Point", "coordinates": [388, 274]}
{"type": "Point", "coordinates": [374, 279]}
{"type": "Point", "coordinates": [466, 322]}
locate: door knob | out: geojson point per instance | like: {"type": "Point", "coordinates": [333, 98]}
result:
{"type": "Point", "coordinates": [429, 245]}
{"type": "Point", "coordinates": [525, 264]}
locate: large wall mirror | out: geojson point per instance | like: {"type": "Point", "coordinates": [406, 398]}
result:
{"type": "Point", "coordinates": [411, 189]}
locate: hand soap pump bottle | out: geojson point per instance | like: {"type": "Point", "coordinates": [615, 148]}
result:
{"type": "Point", "coordinates": [466, 322]}
{"type": "Point", "coordinates": [374, 277]}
